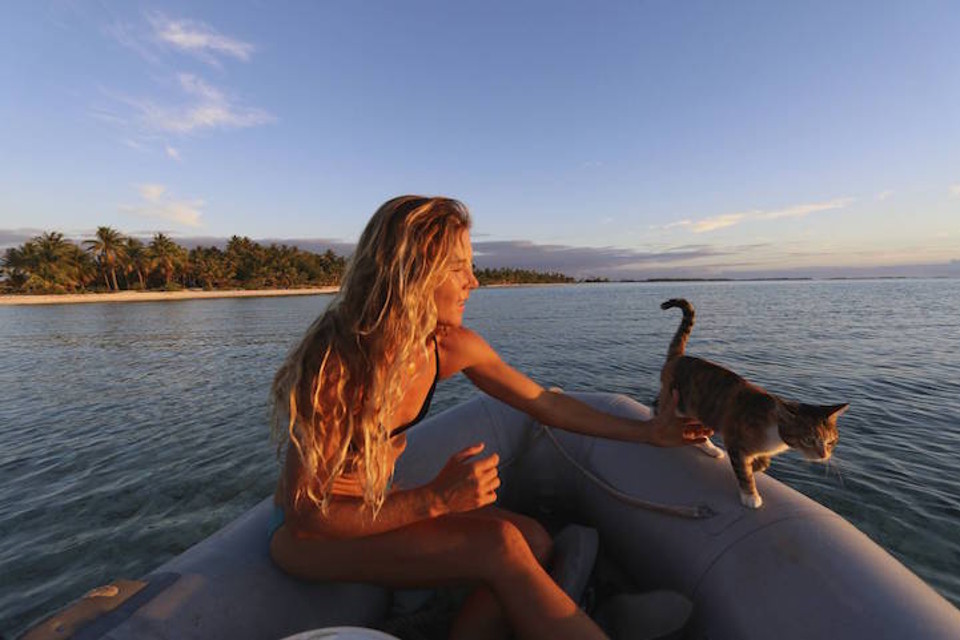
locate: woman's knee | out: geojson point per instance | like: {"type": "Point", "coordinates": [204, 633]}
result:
{"type": "Point", "coordinates": [537, 538]}
{"type": "Point", "coordinates": [500, 541]}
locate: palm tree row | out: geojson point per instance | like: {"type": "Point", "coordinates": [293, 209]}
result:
{"type": "Point", "coordinates": [519, 276]}
{"type": "Point", "coordinates": [111, 261]}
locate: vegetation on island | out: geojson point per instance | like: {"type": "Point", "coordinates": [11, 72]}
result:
{"type": "Point", "coordinates": [519, 276]}
{"type": "Point", "coordinates": [110, 261]}
{"type": "Point", "coordinates": [113, 262]}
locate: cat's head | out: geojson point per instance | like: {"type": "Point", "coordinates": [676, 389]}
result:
{"type": "Point", "coordinates": [812, 428]}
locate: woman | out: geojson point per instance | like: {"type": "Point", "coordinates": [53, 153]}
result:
{"type": "Point", "coordinates": [365, 372]}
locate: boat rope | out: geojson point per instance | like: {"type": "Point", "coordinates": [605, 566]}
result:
{"type": "Point", "coordinates": [697, 512]}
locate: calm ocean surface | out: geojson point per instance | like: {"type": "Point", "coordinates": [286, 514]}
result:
{"type": "Point", "coordinates": [128, 432]}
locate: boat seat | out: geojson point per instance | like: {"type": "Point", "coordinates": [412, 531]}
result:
{"type": "Point", "coordinates": [575, 550]}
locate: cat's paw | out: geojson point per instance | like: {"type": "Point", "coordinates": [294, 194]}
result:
{"type": "Point", "coordinates": [711, 450]}
{"type": "Point", "coordinates": [751, 500]}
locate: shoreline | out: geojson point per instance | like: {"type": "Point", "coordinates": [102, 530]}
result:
{"type": "Point", "coordinates": [16, 299]}
{"type": "Point", "coordinates": [156, 296]}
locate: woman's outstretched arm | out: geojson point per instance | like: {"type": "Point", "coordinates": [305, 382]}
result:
{"type": "Point", "coordinates": [481, 364]}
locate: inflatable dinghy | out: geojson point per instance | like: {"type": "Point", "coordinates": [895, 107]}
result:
{"type": "Point", "coordinates": [791, 570]}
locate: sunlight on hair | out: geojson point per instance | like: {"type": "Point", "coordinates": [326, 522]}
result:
{"type": "Point", "coordinates": [336, 393]}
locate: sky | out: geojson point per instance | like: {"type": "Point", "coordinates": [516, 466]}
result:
{"type": "Point", "coordinates": [624, 139]}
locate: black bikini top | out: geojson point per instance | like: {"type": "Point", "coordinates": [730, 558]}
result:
{"type": "Point", "coordinates": [426, 403]}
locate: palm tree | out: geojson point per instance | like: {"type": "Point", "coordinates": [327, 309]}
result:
{"type": "Point", "coordinates": [207, 266]}
{"type": "Point", "coordinates": [15, 267]}
{"type": "Point", "coordinates": [52, 260]}
{"type": "Point", "coordinates": [47, 263]}
{"type": "Point", "coordinates": [137, 260]}
{"type": "Point", "coordinates": [109, 249]}
{"type": "Point", "coordinates": [166, 256]}
{"type": "Point", "coordinates": [245, 259]}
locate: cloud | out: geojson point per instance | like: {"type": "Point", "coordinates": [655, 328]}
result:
{"type": "Point", "coordinates": [153, 41]}
{"type": "Point", "coordinates": [719, 222]}
{"type": "Point", "coordinates": [955, 190]}
{"type": "Point", "coordinates": [157, 203]}
{"type": "Point", "coordinates": [152, 192]}
{"type": "Point", "coordinates": [201, 107]}
{"type": "Point", "coordinates": [731, 219]}
{"type": "Point", "coordinates": [581, 261]}
{"type": "Point", "coordinates": [129, 36]}
{"type": "Point", "coordinates": [802, 210]}
{"type": "Point", "coordinates": [198, 39]}
{"type": "Point", "coordinates": [884, 195]}
{"type": "Point", "coordinates": [210, 108]}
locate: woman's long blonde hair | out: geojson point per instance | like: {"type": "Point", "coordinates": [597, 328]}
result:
{"type": "Point", "coordinates": [334, 396]}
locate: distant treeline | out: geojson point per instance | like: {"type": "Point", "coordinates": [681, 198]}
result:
{"type": "Point", "coordinates": [111, 261]}
{"type": "Point", "coordinates": [518, 276]}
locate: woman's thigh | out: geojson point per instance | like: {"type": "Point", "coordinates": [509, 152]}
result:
{"type": "Point", "coordinates": [455, 548]}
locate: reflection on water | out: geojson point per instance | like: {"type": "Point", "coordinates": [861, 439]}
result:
{"type": "Point", "coordinates": [129, 432]}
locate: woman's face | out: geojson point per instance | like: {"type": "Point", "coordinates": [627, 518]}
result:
{"type": "Point", "coordinates": [451, 295]}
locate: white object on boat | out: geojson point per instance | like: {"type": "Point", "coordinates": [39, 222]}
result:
{"type": "Point", "coordinates": [341, 633]}
{"type": "Point", "coordinates": [793, 569]}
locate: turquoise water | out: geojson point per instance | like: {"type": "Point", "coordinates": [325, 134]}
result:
{"type": "Point", "coordinates": [129, 432]}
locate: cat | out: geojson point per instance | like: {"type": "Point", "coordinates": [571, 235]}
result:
{"type": "Point", "coordinates": [755, 424]}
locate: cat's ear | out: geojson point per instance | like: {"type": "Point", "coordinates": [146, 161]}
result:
{"type": "Point", "coordinates": [835, 410]}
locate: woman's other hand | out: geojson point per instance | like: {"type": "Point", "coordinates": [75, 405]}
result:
{"type": "Point", "coordinates": [464, 484]}
{"type": "Point", "coordinates": [667, 429]}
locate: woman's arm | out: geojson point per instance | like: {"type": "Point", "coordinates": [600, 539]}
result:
{"type": "Point", "coordinates": [347, 517]}
{"type": "Point", "coordinates": [468, 352]}
{"type": "Point", "coordinates": [465, 483]}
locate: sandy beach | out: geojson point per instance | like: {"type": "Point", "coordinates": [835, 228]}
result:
{"type": "Point", "coordinates": [157, 296]}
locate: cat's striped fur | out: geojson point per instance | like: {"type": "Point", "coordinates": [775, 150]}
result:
{"type": "Point", "coordinates": [755, 424]}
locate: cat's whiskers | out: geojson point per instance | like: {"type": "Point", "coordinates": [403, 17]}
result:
{"type": "Point", "coordinates": [836, 467]}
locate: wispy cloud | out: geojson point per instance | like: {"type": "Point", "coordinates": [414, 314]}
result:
{"type": "Point", "coordinates": [152, 192]}
{"type": "Point", "coordinates": [731, 219]}
{"type": "Point", "coordinates": [884, 195]}
{"type": "Point", "coordinates": [160, 35]}
{"type": "Point", "coordinates": [133, 38]}
{"type": "Point", "coordinates": [198, 39]}
{"type": "Point", "coordinates": [802, 210]}
{"type": "Point", "coordinates": [719, 222]}
{"type": "Point", "coordinates": [207, 108]}
{"type": "Point", "coordinates": [582, 260]}
{"type": "Point", "coordinates": [156, 202]}
{"type": "Point", "coordinates": [202, 106]}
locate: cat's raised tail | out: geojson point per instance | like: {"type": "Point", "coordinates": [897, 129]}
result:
{"type": "Point", "coordinates": [679, 342]}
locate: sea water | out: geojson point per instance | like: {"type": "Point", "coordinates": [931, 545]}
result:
{"type": "Point", "coordinates": [129, 432]}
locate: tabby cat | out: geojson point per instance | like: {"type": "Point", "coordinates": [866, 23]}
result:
{"type": "Point", "coordinates": [754, 423]}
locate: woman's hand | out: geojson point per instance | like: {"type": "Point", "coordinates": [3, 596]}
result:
{"type": "Point", "coordinates": [667, 429]}
{"type": "Point", "coordinates": [464, 484]}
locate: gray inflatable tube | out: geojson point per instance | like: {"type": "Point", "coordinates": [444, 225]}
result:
{"type": "Point", "coordinates": [791, 570]}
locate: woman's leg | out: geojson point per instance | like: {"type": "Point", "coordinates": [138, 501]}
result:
{"type": "Point", "coordinates": [481, 615]}
{"type": "Point", "coordinates": [447, 550]}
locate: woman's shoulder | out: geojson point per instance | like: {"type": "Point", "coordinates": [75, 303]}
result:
{"type": "Point", "coordinates": [460, 348]}
{"type": "Point", "coordinates": [455, 339]}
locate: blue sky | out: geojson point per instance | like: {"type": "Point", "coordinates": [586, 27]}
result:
{"type": "Point", "coordinates": [627, 139]}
